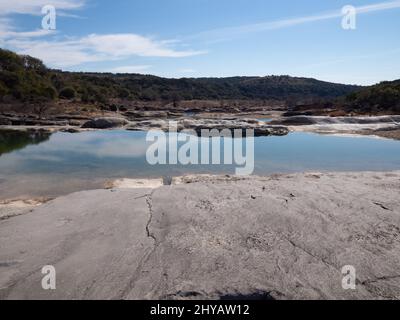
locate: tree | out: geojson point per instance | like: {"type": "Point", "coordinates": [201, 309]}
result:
{"type": "Point", "coordinates": [3, 90]}
{"type": "Point", "coordinates": [67, 93]}
{"type": "Point", "coordinates": [39, 105]}
{"type": "Point", "coordinates": [123, 93]}
{"type": "Point", "coordinates": [33, 63]}
{"type": "Point", "coordinates": [49, 93]}
{"type": "Point", "coordinates": [175, 100]}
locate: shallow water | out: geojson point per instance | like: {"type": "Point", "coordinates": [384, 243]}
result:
{"type": "Point", "coordinates": [266, 120]}
{"type": "Point", "coordinates": [64, 162]}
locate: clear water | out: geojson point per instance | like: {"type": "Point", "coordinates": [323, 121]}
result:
{"type": "Point", "coordinates": [43, 165]}
{"type": "Point", "coordinates": [266, 120]}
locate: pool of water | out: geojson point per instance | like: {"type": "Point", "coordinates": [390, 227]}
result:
{"type": "Point", "coordinates": [266, 120]}
{"type": "Point", "coordinates": [34, 165]}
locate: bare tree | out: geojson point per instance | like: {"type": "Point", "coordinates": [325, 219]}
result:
{"type": "Point", "coordinates": [40, 108]}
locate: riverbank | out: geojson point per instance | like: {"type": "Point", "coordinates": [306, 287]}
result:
{"type": "Point", "coordinates": [277, 125]}
{"type": "Point", "coordinates": [274, 237]}
{"type": "Point", "coordinates": [381, 126]}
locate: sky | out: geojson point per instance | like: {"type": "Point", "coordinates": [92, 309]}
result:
{"type": "Point", "coordinates": [211, 38]}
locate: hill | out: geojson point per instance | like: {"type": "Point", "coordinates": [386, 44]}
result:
{"type": "Point", "coordinates": [27, 79]}
{"type": "Point", "coordinates": [383, 97]}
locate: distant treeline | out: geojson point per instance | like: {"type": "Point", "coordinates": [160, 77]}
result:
{"type": "Point", "coordinates": [27, 79]}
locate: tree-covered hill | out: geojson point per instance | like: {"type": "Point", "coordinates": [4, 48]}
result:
{"type": "Point", "coordinates": [383, 97]}
{"type": "Point", "coordinates": [24, 78]}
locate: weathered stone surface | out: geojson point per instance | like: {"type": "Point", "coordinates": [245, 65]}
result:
{"type": "Point", "coordinates": [92, 238]}
{"type": "Point", "coordinates": [281, 237]}
{"type": "Point", "coordinates": [105, 123]}
{"type": "Point", "coordinates": [30, 121]}
{"type": "Point", "coordinates": [324, 120]}
{"type": "Point", "coordinates": [259, 127]}
{"type": "Point", "coordinates": [135, 115]}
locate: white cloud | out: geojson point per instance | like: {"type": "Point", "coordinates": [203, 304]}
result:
{"type": "Point", "coordinates": [187, 71]}
{"type": "Point", "coordinates": [31, 7]}
{"type": "Point", "coordinates": [55, 54]}
{"type": "Point", "coordinates": [9, 33]}
{"type": "Point", "coordinates": [227, 33]}
{"type": "Point", "coordinates": [129, 69]}
{"type": "Point", "coordinates": [34, 6]}
{"type": "Point", "coordinates": [379, 6]}
{"type": "Point", "coordinates": [94, 48]}
{"type": "Point", "coordinates": [75, 51]}
{"type": "Point", "coordinates": [119, 45]}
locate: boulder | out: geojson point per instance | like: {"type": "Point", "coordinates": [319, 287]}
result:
{"type": "Point", "coordinates": [105, 123]}
{"type": "Point", "coordinates": [295, 121]}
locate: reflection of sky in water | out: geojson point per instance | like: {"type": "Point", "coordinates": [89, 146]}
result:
{"type": "Point", "coordinates": [69, 162]}
{"type": "Point", "coordinates": [265, 119]}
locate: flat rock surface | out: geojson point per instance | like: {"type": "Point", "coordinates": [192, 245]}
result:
{"type": "Point", "coordinates": [276, 237]}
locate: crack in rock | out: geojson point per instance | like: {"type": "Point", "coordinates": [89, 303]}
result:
{"type": "Point", "coordinates": [150, 206]}
{"type": "Point", "coordinates": [328, 264]}
{"type": "Point", "coordinates": [136, 274]}
{"type": "Point", "coordinates": [382, 206]}
{"type": "Point", "coordinates": [366, 282]}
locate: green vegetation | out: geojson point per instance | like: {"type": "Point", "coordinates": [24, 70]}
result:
{"type": "Point", "coordinates": [383, 97]}
{"type": "Point", "coordinates": [11, 140]}
{"type": "Point", "coordinates": [26, 79]}
{"type": "Point", "coordinates": [67, 93]}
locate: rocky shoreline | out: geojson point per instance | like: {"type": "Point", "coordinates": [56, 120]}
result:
{"type": "Point", "coordinates": [112, 122]}
{"type": "Point", "coordinates": [383, 126]}
{"type": "Point", "coordinates": [210, 237]}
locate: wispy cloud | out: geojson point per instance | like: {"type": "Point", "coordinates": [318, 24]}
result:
{"type": "Point", "coordinates": [230, 32]}
{"type": "Point", "coordinates": [67, 52]}
{"type": "Point", "coordinates": [34, 7]}
{"type": "Point", "coordinates": [31, 7]}
{"type": "Point", "coordinates": [95, 48]}
{"type": "Point", "coordinates": [187, 71]}
{"type": "Point", "coordinates": [376, 56]}
{"type": "Point", "coordinates": [119, 45]}
{"type": "Point", "coordinates": [6, 33]}
{"type": "Point", "coordinates": [129, 69]}
{"type": "Point", "coordinates": [58, 54]}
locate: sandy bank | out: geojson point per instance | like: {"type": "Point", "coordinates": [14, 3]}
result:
{"type": "Point", "coordinates": [12, 208]}
{"type": "Point", "coordinates": [280, 237]}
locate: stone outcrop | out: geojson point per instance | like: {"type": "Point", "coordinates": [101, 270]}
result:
{"type": "Point", "coordinates": [198, 124]}
{"type": "Point", "coordinates": [276, 237]}
{"type": "Point", "coordinates": [384, 126]}
{"type": "Point", "coordinates": [322, 120]}
{"type": "Point", "coordinates": [259, 127]}
{"type": "Point", "coordinates": [105, 123]}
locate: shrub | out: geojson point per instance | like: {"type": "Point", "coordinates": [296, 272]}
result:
{"type": "Point", "coordinates": [49, 93]}
{"type": "Point", "coordinates": [67, 93]}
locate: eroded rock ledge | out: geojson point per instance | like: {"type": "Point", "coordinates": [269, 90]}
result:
{"type": "Point", "coordinates": [75, 125]}
{"type": "Point", "coordinates": [383, 126]}
{"type": "Point", "coordinates": [276, 237]}
{"type": "Point", "coordinates": [260, 128]}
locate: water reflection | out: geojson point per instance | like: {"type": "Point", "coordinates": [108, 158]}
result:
{"type": "Point", "coordinates": [11, 140]}
{"type": "Point", "coordinates": [44, 165]}
{"type": "Point", "coordinates": [266, 120]}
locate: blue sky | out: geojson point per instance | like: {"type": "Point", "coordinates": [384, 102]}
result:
{"type": "Point", "coordinates": [196, 38]}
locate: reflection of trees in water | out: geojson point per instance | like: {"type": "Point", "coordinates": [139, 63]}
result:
{"type": "Point", "coordinates": [11, 140]}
